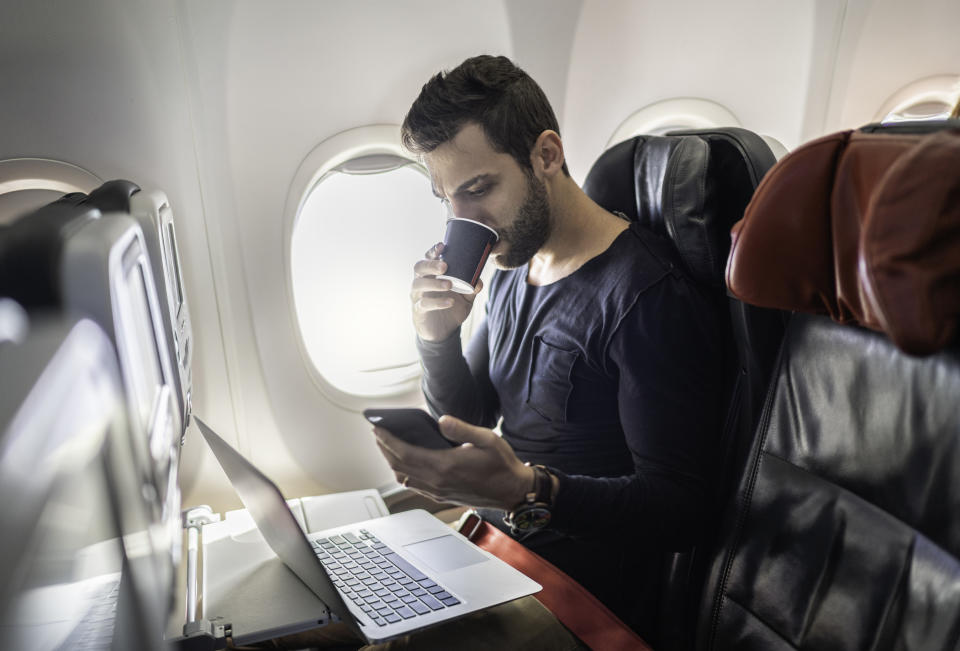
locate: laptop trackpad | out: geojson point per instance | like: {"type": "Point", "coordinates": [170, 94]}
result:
{"type": "Point", "coordinates": [444, 553]}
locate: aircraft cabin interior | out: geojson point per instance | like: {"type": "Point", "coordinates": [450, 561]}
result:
{"type": "Point", "coordinates": [208, 231]}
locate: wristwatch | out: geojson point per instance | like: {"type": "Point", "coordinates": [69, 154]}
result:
{"type": "Point", "coordinates": [533, 514]}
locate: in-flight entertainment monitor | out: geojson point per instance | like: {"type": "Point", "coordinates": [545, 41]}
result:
{"type": "Point", "coordinates": [152, 211]}
{"type": "Point", "coordinates": [107, 274]}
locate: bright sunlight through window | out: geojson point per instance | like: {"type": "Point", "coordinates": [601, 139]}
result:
{"type": "Point", "coordinates": [359, 233]}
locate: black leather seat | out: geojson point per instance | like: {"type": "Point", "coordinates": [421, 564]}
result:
{"type": "Point", "coordinates": [845, 533]}
{"type": "Point", "coordinates": [691, 187]}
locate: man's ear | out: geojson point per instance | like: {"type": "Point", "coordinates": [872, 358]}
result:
{"type": "Point", "coordinates": [547, 155]}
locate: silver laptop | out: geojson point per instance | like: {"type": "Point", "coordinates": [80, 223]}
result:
{"type": "Point", "coordinates": [384, 577]}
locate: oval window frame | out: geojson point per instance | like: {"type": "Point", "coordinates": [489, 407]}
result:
{"type": "Point", "coordinates": [943, 88]}
{"type": "Point", "coordinates": [27, 174]}
{"type": "Point", "coordinates": [674, 113]}
{"type": "Point", "coordinates": [326, 157]}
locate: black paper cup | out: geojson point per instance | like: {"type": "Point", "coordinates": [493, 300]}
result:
{"type": "Point", "coordinates": [466, 246]}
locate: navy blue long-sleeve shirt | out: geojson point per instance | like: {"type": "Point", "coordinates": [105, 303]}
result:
{"type": "Point", "coordinates": [611, 377]}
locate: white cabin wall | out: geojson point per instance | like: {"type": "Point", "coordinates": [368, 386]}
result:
{"type": "Point", "coordinates": [794, 71]}
{"type": "Point", "coordinates": [542, 33]}
{"type": "Point", "coordinates": [217, 103]}
{"type": "Point", "coordinates": [101, 85]}
{"type": "Point", "coordinates": [751, 56]}
{"type": "Point", "coordinates": [886, 45]}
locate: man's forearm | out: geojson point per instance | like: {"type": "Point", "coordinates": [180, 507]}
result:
{"type": "Point", "coordinates": [450, 385]}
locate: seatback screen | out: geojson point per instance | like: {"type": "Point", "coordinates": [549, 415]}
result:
{"type": "Point", "coordinates": [173, 266]}
{"type": "Point", "coordinates": [139, 341]}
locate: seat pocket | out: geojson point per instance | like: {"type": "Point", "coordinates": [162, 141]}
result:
{"type": "Point", "coordinates": [549, 385]}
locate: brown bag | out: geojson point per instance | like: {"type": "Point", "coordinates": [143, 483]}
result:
{"type": "Point", "coordinates": [574, 606]}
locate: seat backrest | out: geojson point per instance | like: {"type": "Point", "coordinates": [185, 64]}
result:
{"type": "Point", "coordinates": [31, 268]}
{"type": "Point", "coordinates": [78, 563]}
{"type": "Point", "coordinates": [690, 187]}
{"type": "Point", "coordinates": [30, 251]}
{"type": "Point", "coordinates": [68, 256]}
{"type": "Point", "coordinates": [845, 532]}
{"type": "Point", "coordinates": [151, 210]}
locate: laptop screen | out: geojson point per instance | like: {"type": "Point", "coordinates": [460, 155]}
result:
{"type": "Point", "coordinates": [276, 522]}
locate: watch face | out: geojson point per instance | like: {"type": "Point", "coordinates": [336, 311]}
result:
{"type": "Point", "coordinates": [531, 518]}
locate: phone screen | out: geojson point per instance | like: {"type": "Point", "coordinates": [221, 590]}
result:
{"type": "Point", "coordinates": [414, 426]}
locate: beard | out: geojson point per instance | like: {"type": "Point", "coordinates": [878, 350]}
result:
{"type": "Point", "coordinates": [530, 229]}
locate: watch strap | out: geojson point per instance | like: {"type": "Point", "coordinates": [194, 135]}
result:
{"type": "Point", "coordinates": [542, 486]}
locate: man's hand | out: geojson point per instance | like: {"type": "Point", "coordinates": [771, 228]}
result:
{"type": "Point", "coordinates": [437, 311]}
{"type": "Point", "coordinates": [483, 472]}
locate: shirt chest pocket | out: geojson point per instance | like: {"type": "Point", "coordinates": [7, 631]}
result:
{"type": "Point", "coordinates": [549, 384]}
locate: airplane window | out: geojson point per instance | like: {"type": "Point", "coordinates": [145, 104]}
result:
{"type": "Point", "coordinates": [924, 109]}
{"type": "Point", "coordinates": [28, 183]}
{"type": "Point", "coordinates": [668, 115]}
{"type": "Point", "coordinates": [931, 98]}
{"type": "Point", "coordinates": [359, 231]}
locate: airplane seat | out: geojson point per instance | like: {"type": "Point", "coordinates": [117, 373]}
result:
{"type": "Point", "coordinates": [32, 242]}
{"type": "Point", "coordinates": [69, 256]}
{"type": "Point", "coordinates": [78, 567]}
{"type": "Point", "coordinates": [690, 187]}
{"type": "Point", "coordinates": [151, 210]}
{"type": "Point", "coordinates": [845, 530]}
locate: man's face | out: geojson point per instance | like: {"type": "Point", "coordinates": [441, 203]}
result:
{"type": "Point", "coordinates": [490, 187]}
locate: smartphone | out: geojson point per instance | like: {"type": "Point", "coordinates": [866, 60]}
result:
{"type": "Point", "coordinates": [415, 426]}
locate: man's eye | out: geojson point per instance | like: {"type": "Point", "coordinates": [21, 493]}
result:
{"type": "Point", "coordinates": [478, 192]}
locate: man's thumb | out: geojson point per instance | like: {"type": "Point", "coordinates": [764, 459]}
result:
{"type": "Point", "coordinates": [462, 432]}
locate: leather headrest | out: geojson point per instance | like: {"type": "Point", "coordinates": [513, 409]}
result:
{"type": "Point", "coordinates": [687, 186]}
{"type": "Point", "coordinates": [910, 247]}
{"type": "Point", "coordinates": [864, 227]}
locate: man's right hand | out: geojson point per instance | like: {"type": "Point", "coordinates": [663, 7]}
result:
{"type": "Point", "coordinates": [437, 310]}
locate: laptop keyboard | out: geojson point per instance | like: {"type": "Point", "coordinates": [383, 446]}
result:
{"type": "Point", "coordinates": [378, 580]}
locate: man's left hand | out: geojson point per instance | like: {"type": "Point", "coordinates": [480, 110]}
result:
{"type": "Point", "coordinates": [483, 472]}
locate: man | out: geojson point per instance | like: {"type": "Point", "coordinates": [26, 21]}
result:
{"type": "Point", "coordinates": [598, 358]}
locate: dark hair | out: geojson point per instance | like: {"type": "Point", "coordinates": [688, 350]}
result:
{"type": "Point", "coordinates": [490, 91]}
